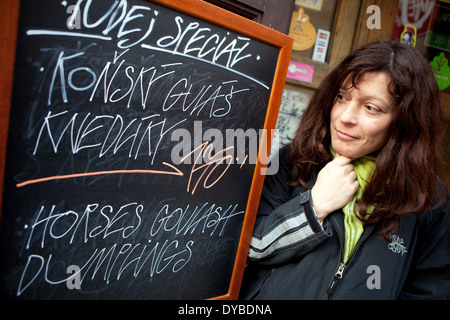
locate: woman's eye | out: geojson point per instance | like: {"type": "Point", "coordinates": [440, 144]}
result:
{"type": "Point", "coordinates": [372, 109]}
{"type": "Point", "coordinates": [340, 96]}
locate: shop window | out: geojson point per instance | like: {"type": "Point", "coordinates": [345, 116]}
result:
{"type": "Point", "coordinates": [425, 24]}
{"type": "Point", "coordinates": [323, 33]}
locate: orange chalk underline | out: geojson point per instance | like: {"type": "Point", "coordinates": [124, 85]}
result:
{"type": "Point", "coordinates": [177, 172]}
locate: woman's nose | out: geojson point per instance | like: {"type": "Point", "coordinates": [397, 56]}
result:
{"type": "Point", "coordinates": [349, 113]}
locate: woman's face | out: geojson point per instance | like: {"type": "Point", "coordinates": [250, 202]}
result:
{"type": "Point", "coordinates": [360, 117]}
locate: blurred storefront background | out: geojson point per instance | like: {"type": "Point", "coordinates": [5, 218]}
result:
{"type": "Point", "coordinates": [325, 31]}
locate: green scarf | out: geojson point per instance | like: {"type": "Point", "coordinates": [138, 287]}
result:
{"type": "Point", "coordinates": [352, 225]}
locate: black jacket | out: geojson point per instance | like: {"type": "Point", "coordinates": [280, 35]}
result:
{"type": "Point", "coordinates": [293, 256]}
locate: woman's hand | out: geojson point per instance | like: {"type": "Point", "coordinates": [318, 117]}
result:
{"type": "Point", "coordinates": [335, 186]}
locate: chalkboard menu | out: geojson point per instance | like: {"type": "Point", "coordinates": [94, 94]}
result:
{"type": "Point", "coordinates": [132, 168]}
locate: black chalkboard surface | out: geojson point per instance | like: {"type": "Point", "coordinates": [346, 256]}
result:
{"type": "Point", "coordinates": [130, 169]}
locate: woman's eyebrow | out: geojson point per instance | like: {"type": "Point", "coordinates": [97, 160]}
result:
{"type": "Point", "coordinates": [377, 98]}
{"type": "Point", "coordinates": [368, 96]}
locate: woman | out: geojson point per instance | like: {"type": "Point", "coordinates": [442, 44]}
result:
{"type": "Point", "coordinates": [357, 210]}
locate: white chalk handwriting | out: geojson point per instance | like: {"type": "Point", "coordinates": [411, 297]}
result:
{"type": "Point", "coordinates": [190, 39]}
{"type": "Point", "coordinates": [167, 246]}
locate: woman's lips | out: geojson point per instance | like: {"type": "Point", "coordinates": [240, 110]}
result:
{"type": "Point", "coordinates": [345, 136]}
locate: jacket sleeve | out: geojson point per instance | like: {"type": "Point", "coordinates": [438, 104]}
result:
{"type": "Point", "coordinates": [429, 275]}
{"type": "Point", "coordinates": [286, 226]}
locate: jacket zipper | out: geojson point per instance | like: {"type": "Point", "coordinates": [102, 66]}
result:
{"type": "Point", "coordinates": [342, 266]}
{"type": "Point", "coordinates": [337, 277]}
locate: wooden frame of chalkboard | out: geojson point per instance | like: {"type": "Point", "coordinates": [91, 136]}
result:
{"type": "Point", "coordinates": [197, 33]}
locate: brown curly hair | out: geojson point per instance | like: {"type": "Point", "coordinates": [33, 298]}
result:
{"type": "Point", "coordinates": [408, 166]}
